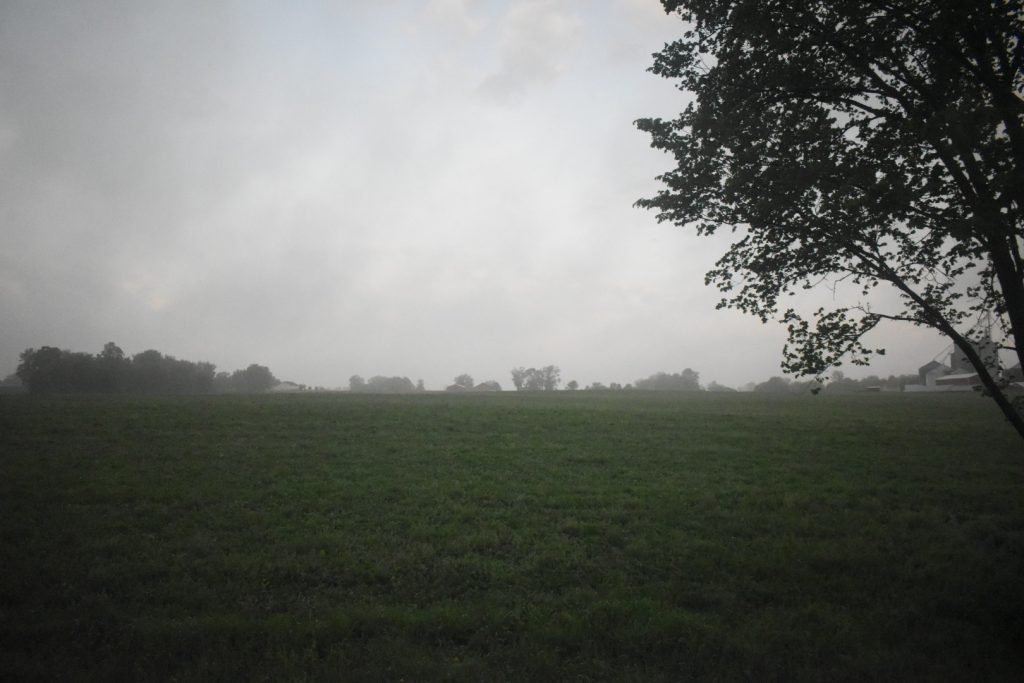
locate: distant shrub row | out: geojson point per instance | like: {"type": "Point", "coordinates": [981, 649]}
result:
{"type": "Point", "coordinates": [383, 385]}
{"type": "Point", "coordinates": [52, 370]}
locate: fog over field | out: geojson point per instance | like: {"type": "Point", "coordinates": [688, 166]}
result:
{"type": "Point", "coordinates": [330, 188]}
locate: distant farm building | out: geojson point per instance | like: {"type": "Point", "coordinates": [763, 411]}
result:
{"type": "Point", "coordinates": [1014, 374]}
{"type": "Point", "coordinates": [986, 349]}
{"type": "Point", "coordinates": [931, 371]}
{"type": "Point", "coordinates": [287, 387]}
{"type": "Point", "coordinates": [960, 379]}
{"type": "Point", "coordinates": [959, 374]}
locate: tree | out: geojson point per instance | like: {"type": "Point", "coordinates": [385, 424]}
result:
{"type": "Point", "coordinates": [875, 145]}
{"type": "Point", "coordinates": [550, 377]}
{"type": "Point", "coordinates": [898, 382]}
{"type": "Point", "coordinates": [379, 384]}
{"type": "Point", "coordinates": [254, 379]}
{"type": "Point", "coordinates": [573, 385]}
{"type": "Point", "coordinates": [687, 380]}
{"type": "Point", "coordinates": [840, 384]}
{"type": "Point", "coordinates": [147, 371]}
{"type": "Point", "coordinates": [356, 383]}
{"type": "Point", "coordinates": [775, 385]}
{"type": "Point", "coordinates": [222, 382]}
{"type": "Point", "coordinates": [51, 370]}
{"type": "Point", "coordinates": [40, 370]}
{"type": "Point", "coordinates": [519, 378]}
{"type": "Point", "coordinates": [465, 381]}
{"type": "Point", "coordinates": [532, 379]}
{"type": "Point", "coordinates": [113, 367]}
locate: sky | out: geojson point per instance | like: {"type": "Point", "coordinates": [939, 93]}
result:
{"type": "Point", "coordinates": [373, 187]}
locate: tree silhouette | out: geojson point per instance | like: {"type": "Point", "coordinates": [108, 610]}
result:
{"type": "Point", "coordinates": [876, 143]}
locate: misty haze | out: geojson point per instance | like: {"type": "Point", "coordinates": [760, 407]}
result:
{"type": "Point", "coordinates": [417, 189]}
{"type": "Point", "coordinates": [525, 340]}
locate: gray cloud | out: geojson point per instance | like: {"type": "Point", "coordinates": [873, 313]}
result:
{"type": "Point", "coordinates": [462, 16]}
{"type": "Point", "coordinates": [322, 189]}
{"type": "Point", "coordinates": [534, 36]}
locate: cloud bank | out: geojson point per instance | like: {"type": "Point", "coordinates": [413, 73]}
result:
{"type": "Point", "coordinates": [338, 188]}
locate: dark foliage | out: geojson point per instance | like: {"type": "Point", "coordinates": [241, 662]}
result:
{"type": "Point", "coordinates": [52, 370]}
{"type": "Point", "coordinates": [687, 380]}
{"type": "Point", "coordinates": [876, 143]}
{"type": "Point", "coordinates": [387, 385]}
{"type": "Point", "coordinates": [546, 378]}
{"type": "Point", "coordinates": [253, 380]}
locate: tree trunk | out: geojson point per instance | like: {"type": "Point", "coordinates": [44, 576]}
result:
{"type": "Point", "coordinates": [1013, 294]}
{"type": "Point", "coordinates": [940, 323]}
{"type": "Point", "coordinates": [989, 382]}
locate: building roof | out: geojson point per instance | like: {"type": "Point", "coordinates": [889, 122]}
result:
{"type": "Point", "coordinates": [959, 378]}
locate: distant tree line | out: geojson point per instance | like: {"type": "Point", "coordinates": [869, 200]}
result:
{"type": "Point", "coordinates": [546, 378]}
{"type": "Point", "coordinates": [253, 380]}
{"type": "Point", "coordinates": [52, 370]}
{"type": "Point", "coordinates": [465, 382]}
{"type": "Point", "coordinates": [687, 380]}
{"type": "Point", "coordinates": [383, 385]}
{"type": "Point", "coordinates": [838, 384]}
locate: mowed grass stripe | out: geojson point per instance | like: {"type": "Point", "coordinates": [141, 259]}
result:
{"type": "Point", "coordinates": [620, 536]}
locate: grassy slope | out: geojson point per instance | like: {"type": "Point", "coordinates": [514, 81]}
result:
{"type": "Point", "coordinates": [596, 537]}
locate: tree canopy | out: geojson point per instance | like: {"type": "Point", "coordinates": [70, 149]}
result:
{"type": "Point", "coordinates": [546, 378]}
{"type": "Point", "coordinates": [687, 380]}
{"type": "Point", "coordinates": [873, 143]}
{"type": "Point", "coordinates": [52, 370]}
{"type": "Point", "coordinates": [380, 384]}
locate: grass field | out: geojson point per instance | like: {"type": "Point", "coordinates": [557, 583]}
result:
{"type": "Point", "coordinates": [567, 537]}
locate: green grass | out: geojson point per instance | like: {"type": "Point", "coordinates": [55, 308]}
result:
{"type": "Point", "coordinates": [614, 537]}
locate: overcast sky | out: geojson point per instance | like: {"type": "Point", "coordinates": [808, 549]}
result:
{"type": "Point", "coordinates": [327, 188]}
